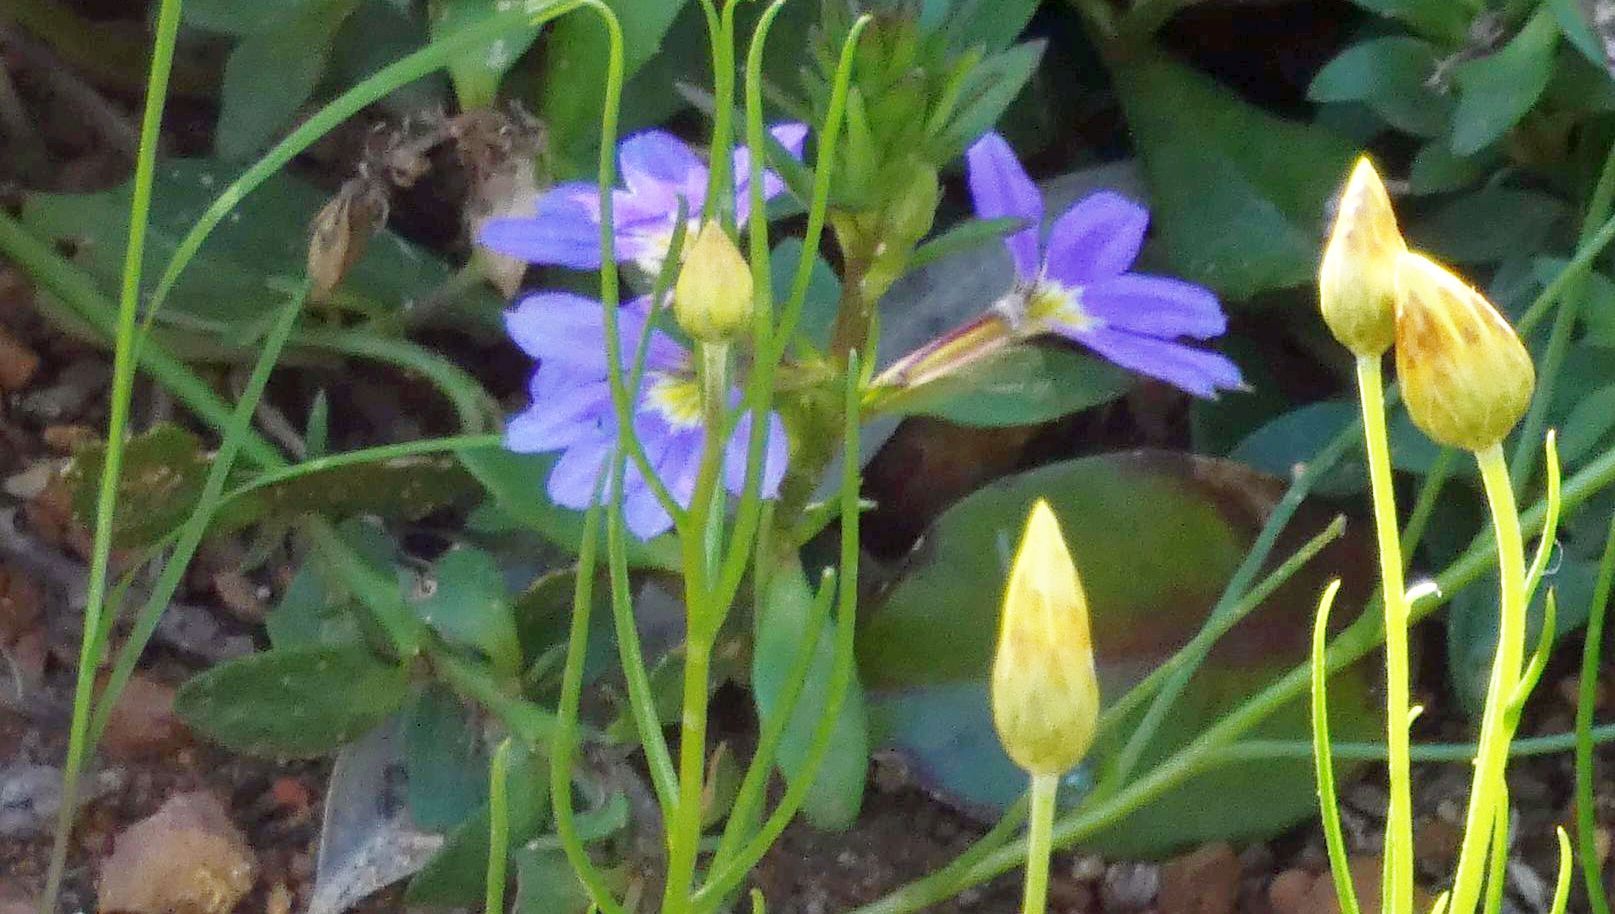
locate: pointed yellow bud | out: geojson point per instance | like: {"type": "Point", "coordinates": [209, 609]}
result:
{"type": "Point", "coordinates": [1045, 693]}
{"type": "Point", "coordinates": [712, 299]}
{"type": "Point", "coordinates": [1465, 375]}
{"type": "Point", "coordinates": [1357, 279]}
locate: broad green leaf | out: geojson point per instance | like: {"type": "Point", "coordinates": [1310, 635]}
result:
{"type": "Point", "coordinates": [1440, 20]}
{"type": "Point", "coordinates": [987, 24]}
{"type": "Point", "coordinates": [1588, 425]}
{"type": "Point", "coordinates": [546, 884]}
{"type": "Point", "coordinates": [1497, 90]}
{"type": "Point", "coordinates": [1155, 537]}
{"type": "Point", "coordinates": [293, 703]}
{"type": "Point", "coordinates": [164, 471]}
{"type": "Point", "coordinates": [1572, 18]}
{"type": "Point", "coordinates": [448, 771]}
{"type": "Point", "coordinates": [1437, 169]}
{"type": "Point", "coordinates": [1489, 225]}
{"type": "Point", "coordinates": [467, 604]}
{"type": "Point", "coordinates": [838, 787]}
{"type": "Point", "coordinates": [233, 17]}
{"type": "Point", "coordinates": [272, 72]}
{"type": "Point", "coordinates": [455, 876]}
{"type": "Point", "coordinates": [248, 267]}
{"type": "Point", "coordinates": [823, 292]}
{"type": "Point", "coordinates": [404, 489]}
{"type": "Point", "coordinates": [316, 609]}
{"type": "Point", "coordinates": [1237, 215]}
{"type": "Point", "coordinates": [516, 482]}
{"type": "Point", "coordinates": [1391, 76]}
{"type": "Point", "coordinates": [575, 65]}
{"type": "Point", "coordinates": [476, 74]}
{"type": "Point", "coordinates": [1021, 385]}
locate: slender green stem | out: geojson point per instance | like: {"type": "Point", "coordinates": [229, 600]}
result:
{"type": "Point", "coordinates": [564, 742]}
{"type": "Point", "coordinates": [1497, 866]}
{"type": "Point", "coordinates": [498, 829]}
{"type": "Point", "coordinates": [1552, 361]}
{"type": "Point", "coordinates": [1549, 744]}
{"type": "Point", "coordinates": [684, 831]}
{"type": "Point", "coordinates": [1328, 804]}
{"type": "Point", "coordinates": [123, 380]}
{"type": "Point", "coordinates": [1424, 506]}
{"type": "Point", "coordinates": [1586, 695]}
{"type": "Point", "coordinates": [1045, 791]}
{"type": "Point", "coordinates": [1493, 751]}
{"type": "Point", "coordinates": [1399, 822]}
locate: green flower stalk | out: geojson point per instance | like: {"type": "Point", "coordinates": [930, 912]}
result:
{"type": "Point", "coordinates": [1468, 380]}
{"type": "Point", "coordinates": [1357, 294]}
{"type": "Point", "coordinates": [1045, 692]}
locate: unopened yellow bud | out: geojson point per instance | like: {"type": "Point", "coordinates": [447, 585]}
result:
{"type": "Point", "coordinates": [1045, 693]}
{"type": "Point", "coordinates": [1465, 375]}
{"type": "Point", "coordinates": [1357, 279]}
{"type": "Point", "coordinates": [712, 299]}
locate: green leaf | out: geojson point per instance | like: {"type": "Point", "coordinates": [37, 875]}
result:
{"type": "Point", "coordinates": [1489, 225]}
{"type": "Point", "coordinates": [164, 471]}
{"type": "Point", "coordinates": [986, 24]}
{"type": "Point", "coordinates": [448, 777]}
{"type": "Point", "coordinates": [1391, 76]}
{"type": "Point", "coordinates": [1437, 169]}
{"type": "Point", "coordinates": [1155, 537]}
{"type": "Point", "coordinates": [248, 267]}
{"type": "Point", "coordinates": [546, 884]}
{"type": "Point", "coordinates": [1434, 19]}
{"type": "Point", "coordinates": [272, 72]}
{"type": "Point", "coordinates": [575, 52]}
{"type": "Point", "coordinates": [467, 604]}
{"type": "Point", "coordinates": [400, 489]}
{"type": "Point", "coordinates": [293, 703]}
{"type": "Point", "coordinates": [476, 75]}
{"type": "Point", "coordinates": [1497, 90]}
{"type": "Point", "coordinates": [316, 609]}
{"type": "Point", "coordinates": [1574, 25]}
{"type": "Point", "coordinates": [1294, 437]}
{"type": "Point", "coordinates": [988, 90]}
{"type": "Point", "coordinates": [454, 878]}
{"type": "Point", "coordinates": [1239, 216]}
{"type": "Point", "coordinates": [1020, 385]}
{"type": "Point", "coordinates": [516, 481]}
{"type": "Point", "coordinates": [838, 788]}
{"type": "Point", "coordinates": [823, 292]}
{"type": "Point", "coordinates": [232, 17]}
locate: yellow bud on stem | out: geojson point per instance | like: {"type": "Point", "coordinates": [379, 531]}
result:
{"type": "Point", "coordinates": [1465, 375]}
{"type": "Point", "coordinates": [1045, 693]}
{"type": "Point", "coordinates": [712, 299]}
{"type": "Point", "coordinates": [1357, 279]}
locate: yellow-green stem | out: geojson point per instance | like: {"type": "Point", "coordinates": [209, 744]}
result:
{"type": "Point", "coordinates": [1398, 887]}
{"type": "Point", "coordinates": [1040, 842]}
{"type": "Point", "coordinates": [1492, 752]}
{"type": "Point", "coordinates": [684, 832]}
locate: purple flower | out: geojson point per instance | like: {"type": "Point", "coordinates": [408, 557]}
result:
{"type": "Point", "coordinates": [571, 409]}
{"type": "Point", "coordinates": [1076, 281]}
{"type": "Point", "coordinates": [658, 170]}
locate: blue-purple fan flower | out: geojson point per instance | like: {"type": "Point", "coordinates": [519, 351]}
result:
{"type": "Point", "coordinates": [571, 410]}
{"type": "Point", "coordinates": [1076, 282]}
{"type": "Point", "coordinates": [658, 170]}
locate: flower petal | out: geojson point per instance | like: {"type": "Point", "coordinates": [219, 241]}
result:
{"type": "Point", "coordinates": [559, 417]}
{"type": "Point", "coordinates": [643, 513]}
{"type": "Point", "coordinates": [792, 136]}
{"type": "Point", "coordinates": [1000, 188]}
{"type": "Point", "coordinates": [775, 454]}
{"type": "Point", "coordinates": [1096, 239]}
{"type": "Point", "coordinates": [1155, 306]}
{"type": "Point", "coordinates": [572, 479]}
{"type": "Point", "coordinates": [562, 232]}
{"type": "Point", "coordinates": [566, 331]}
{"type": "Point", "coordinates": [659, 164]}
{"type": "Point", "coordinates": [1196, 371]}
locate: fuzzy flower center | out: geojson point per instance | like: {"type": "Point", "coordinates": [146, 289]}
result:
{"type": "Point", "coordinates": [1051, 303]}
{"type": "Point", "coordinates": [676, 397]}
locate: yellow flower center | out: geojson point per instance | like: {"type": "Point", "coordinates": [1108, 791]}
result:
{"type": "Point", "coordinates": [1051, 303]}
{"type": "Point", "coordinates": [676, 397]}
